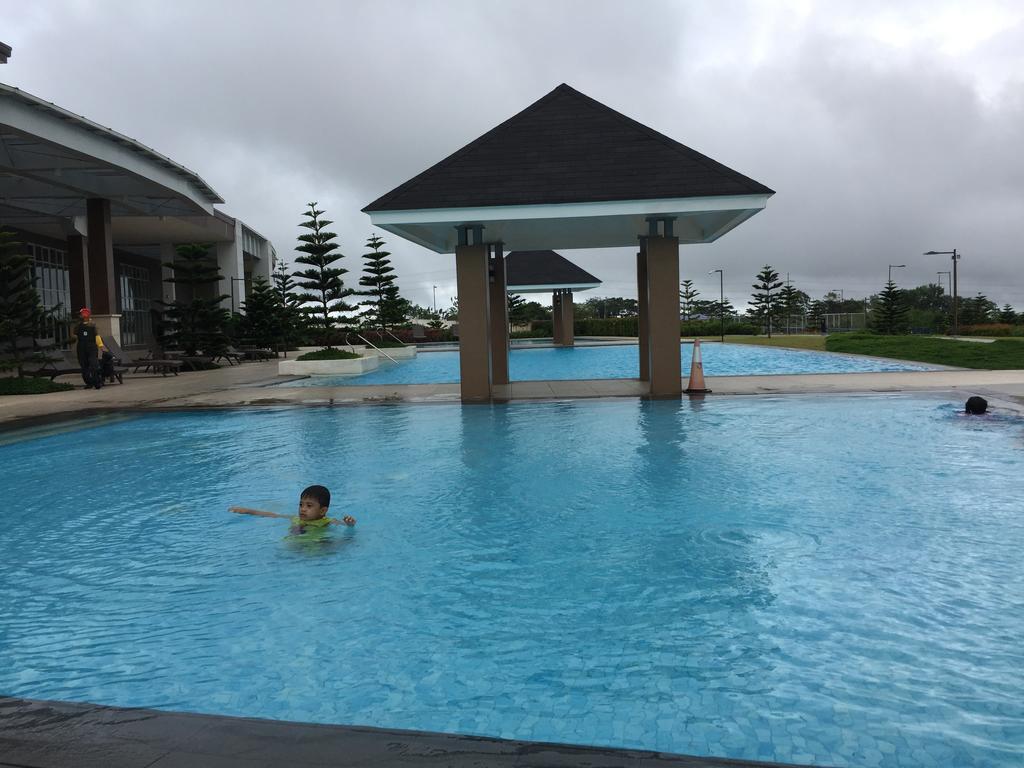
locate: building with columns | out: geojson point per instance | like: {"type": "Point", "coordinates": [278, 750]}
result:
{"type": "Point", "coordinates": [101, 214]}
{"type": "Point", "coordinates": [568, 172]}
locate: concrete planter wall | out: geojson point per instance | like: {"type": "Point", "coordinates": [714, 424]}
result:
{"type": "Point", "coordinates": [398, 353]}
{"type": "Point", "coordinates": [327, 367]}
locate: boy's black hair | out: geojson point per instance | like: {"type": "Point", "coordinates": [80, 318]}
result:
{"type": "Point", "coordinates": [976, 405]}
{"type": "Point", "coordinates": [317, 493]}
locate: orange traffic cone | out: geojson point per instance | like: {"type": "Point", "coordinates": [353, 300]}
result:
{"type": "Point", "coordinates": [696, 385]}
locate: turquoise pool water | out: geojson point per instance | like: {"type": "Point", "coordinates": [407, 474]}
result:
{"type": "Point", "coordinates": [810, 580]}
{"type": "Point", "coordinates": [614, 362]}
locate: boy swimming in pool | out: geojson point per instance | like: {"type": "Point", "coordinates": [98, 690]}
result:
{"type": "Point", "coordinates": [313, 504]}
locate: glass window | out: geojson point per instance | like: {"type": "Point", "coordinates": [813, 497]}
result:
{"type": "Point", "coordinates": [136, 303]}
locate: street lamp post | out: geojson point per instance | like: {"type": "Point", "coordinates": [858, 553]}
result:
{"type": "Point", "coordinates": [435, 299]}
{"type": "Point", "coordinates": [894, 266]}
{"type": "Point", "coordinates": [721, 298]}
{"type": "Point", "coordinates": [956, 309]}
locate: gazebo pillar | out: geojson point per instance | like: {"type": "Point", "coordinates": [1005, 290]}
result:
{"type": "Point", "coordinates": [556, 317]}
{"type": "Point", "coordinates": [499, 316]}
{"type": "Point", "coordinates": [663, 313]}
{"type": "Point", "coordinates": [642, 322]}
{"type": "Point", "coordinates": [473, 284]}
{"type": "Point", "coordinates": [568, 319]}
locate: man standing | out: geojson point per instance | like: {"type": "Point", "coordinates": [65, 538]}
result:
{"type": "Point", "coordinates": [88, 345]}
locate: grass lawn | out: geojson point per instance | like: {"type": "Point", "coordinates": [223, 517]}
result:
{"type": "Point", "coordinates": [1001, 354]}
{"type": "Point", "coordinates": [791, 341]}
{"type": "Point", "coordinates": [31, 385]}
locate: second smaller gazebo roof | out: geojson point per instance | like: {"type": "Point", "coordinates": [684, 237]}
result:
{"type": "Point", "coordinates": [543, 271]}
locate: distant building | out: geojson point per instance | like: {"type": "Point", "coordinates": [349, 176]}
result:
{"type": "Point", "coordinates": [101, 213]}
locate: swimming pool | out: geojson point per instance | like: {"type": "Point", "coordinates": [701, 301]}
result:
{"type": "Point", "coordinates": [831, 580]}
{"type": "Point", "coordinates": [614, 362]}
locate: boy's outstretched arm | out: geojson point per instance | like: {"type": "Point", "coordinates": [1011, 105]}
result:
{"type": "Point", "coordinates": [254, 512]}
{"type": "Point", "coordinates": [346, 520]}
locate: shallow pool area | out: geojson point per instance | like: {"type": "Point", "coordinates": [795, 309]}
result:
{"type": "Point", "coordinates": [814, 580]}
{"type": "Point", "coordinates": [615, 362]}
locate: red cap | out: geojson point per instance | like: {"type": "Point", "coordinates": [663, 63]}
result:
{"type": "Point", "coordinates": [85, 311]}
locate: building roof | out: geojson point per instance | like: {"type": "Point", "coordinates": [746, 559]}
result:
{"type": "Point", "coordinates": [5, 53]}
{"type": "Point", "coordinates": [541, 271]}
{"type": "Point", "coordinates": [567, 148]}
{"type": "Point", "coordinates": [52, 160]}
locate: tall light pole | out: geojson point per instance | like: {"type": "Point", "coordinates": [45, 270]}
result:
{"type": "Point", "coordinates": [721, 298]}
{"type": "Point", "coordinates": [956, 309]}
{"type": "Point", "coordinates": [435, 299]}
{"type": "Point", "coordinates": [894, 266]}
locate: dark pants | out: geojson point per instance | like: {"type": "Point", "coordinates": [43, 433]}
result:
{"type": "Point", "coordinates": [90, 362]}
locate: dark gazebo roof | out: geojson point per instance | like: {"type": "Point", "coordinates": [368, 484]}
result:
{"type": "Point", "coordinates": [569, 172]}
{"type": "Point", "coordinates": [541, 271]}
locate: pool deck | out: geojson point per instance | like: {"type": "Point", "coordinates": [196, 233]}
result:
{"type": "Point", "coordinates": [49, 734]}
{"type": "Point", "coordinates": [247, 386]}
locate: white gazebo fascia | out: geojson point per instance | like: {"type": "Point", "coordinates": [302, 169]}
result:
{"type": "Point", "coordinates": [573, 225]}
{"type": "Point", "coordinates": [551, 286]}
{"type": "Point", "coordinates": [52, 161]}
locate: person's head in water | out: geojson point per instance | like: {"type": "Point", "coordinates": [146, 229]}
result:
{"type": "Point", "coordinates": [976, 405]}
{"type": "Point", "coordinates": [313, 503]}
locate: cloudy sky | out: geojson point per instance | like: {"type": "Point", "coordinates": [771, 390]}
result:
{"type": "Point", "coordinates": [886, 129]}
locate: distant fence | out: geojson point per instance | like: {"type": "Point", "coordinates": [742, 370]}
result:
{"type": "Point", "coordinates": [841, 322]}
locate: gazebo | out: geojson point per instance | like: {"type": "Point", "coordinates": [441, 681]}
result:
{"type": "Point", "coordinates": [544, 271]}
{"type": "Point", "coordinates": [568, 172]}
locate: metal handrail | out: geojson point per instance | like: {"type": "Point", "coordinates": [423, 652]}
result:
{"type": "Point", "coordinates": [389, 333]}
{"type": "Point", "coordinates": [369, 343]}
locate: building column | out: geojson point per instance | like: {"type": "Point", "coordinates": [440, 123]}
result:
{"type": "Point", "coordinates": [78, 273]}
{"type": "Point", "coordinates": [642, 322]}
{"type": "Point", "coordinates": [568, 320]}
{"type": "Point", "coordinates": [232, 270]}
{"type": "Point", "coordinates": [100, 251]}
{"type": "Point", "coordinates": [167, 255]}
{"type": "Point", "coordinates": [499, 317]}
{"type": "Point", "coordinates": [663, 315]}
{"type": "Point", "coordinates": [473, 282]}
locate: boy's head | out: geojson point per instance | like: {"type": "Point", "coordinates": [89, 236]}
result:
{"type": "Point", "coordinates": [313, 502]}
{"type": "Point", "coordinates": [976, 406]}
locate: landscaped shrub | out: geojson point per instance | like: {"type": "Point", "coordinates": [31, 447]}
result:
{"type": "Point", "coordinates": [329, 354]}
{"type": "Point", "coordinates": [992, 329]}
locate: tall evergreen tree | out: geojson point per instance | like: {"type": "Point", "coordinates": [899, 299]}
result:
{"type": "Point", "coordinates": [21, 311]}
{"type": "Point", "coordinates": [516, 309]}
{"type": "Point", "coordinates": [764, 305]}
{"type": "Point", "coordinates": [1007, 315]}
{"type": "Point", "coordinates": [293, 318]}
{"type": "Point", "coordinates": [890, 313]}
{"type": "Point", "coordinates": [384, 308]}
{"type": "Point", "coordinates": [977, 309]}
{"type": "Point", "coordinates": [322, 283]}
{"type": "Point", "coordinates": [687, 299]}
{"type": "Point", "coordinates": [195, 321]}
{"type": "Point", "coordinates": [263, 321]}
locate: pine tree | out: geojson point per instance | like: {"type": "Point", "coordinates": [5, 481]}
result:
{"type": "Point", "coordinates": [21, 311]}
{"type": "Point", "coordinates": [384, 308]}
{"type": "Point", "coordinates": [264, 315]}
{"type": "Point", "coordinates": [193, 321]}
{"type": "Point", "coordinates": [516, 309]}
{"type": "Point", "coordinates": [764, 304]}
{"type": "Point", "coordinates": [322, 283]}
{"type": "Point", "coordinates": [687, 298]}
{"type": "Point", "coordinates": [1007, 315]}
{"type": "Point", "coordinates": [890, 314]}
{"type": "Point", "coordinates": [293, 319]}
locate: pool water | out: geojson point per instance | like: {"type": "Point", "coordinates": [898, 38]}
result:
{"type": "Point", "coordinates": [830, 580]}
{"type": "Point", "coordinates": [615, 362]}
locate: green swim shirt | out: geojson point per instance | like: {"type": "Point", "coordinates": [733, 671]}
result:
{"type": "Point", "coordinates": [323, 522]}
